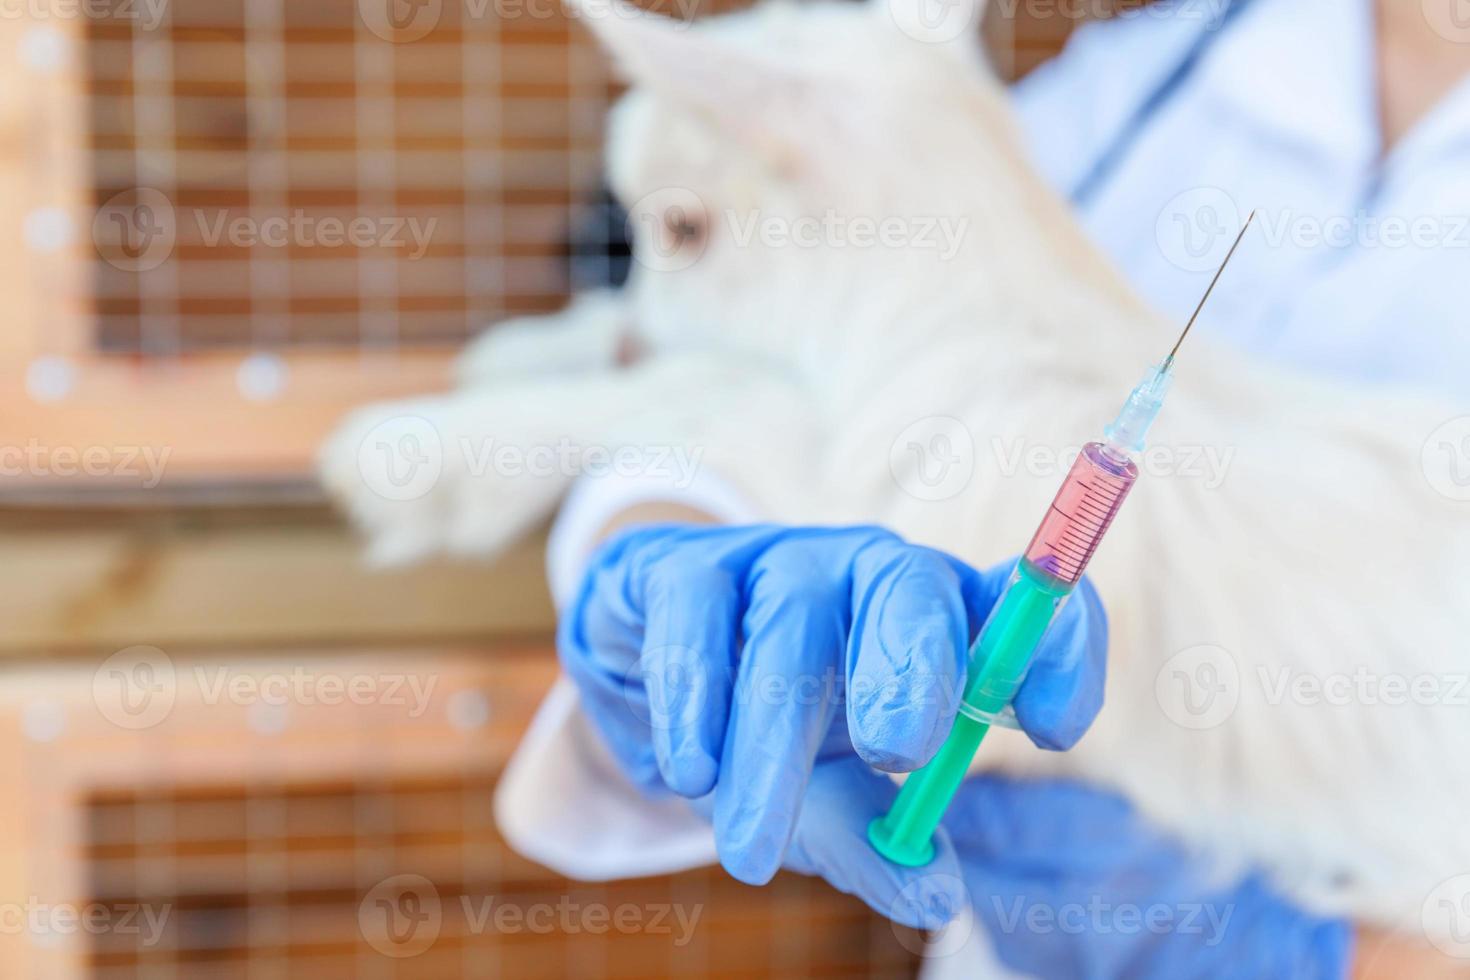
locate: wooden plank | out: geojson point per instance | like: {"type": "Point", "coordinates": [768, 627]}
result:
{"type": "Point", "coordinates": [242, 577]}
{"type": "Point", "coordinates": [192, 406]}
{"type": "Point", "coordinates": [261, 841]}
{"type": "Point", "coordinates": [44, 195]}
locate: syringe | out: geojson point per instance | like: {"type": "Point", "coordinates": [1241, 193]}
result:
{"type": "Point", "coordinates": [1048, 571]}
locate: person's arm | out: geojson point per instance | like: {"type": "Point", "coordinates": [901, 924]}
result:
{"type": "Point", "coordinates": [1376, 954]}
{"type": "Point", "coordinates": [1384, 955]}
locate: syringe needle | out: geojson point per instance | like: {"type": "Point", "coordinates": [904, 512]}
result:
{"type": "Point", "coordinates": [1169, 361]}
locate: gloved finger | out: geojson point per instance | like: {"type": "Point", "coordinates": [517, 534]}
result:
{"type": "Point", "coordinates": [598, 642]}
{"type": "Point", "coordinates": [689, 652]}
{"type": "Point", "coordinates": [1005, 825]}
{"type": "Point", "coordinates": [609, 612]}
{"type": "Point", "coordinates": [1063, 690]}
{"type": "Point", "coordinates": [831, 842]}
{"type": "Point", "coordinates": [604, 621]}
{"type": "Point", "coordinates": [905, 655]}
{"type": "Point", "coordinates": [795, 625]}
{"type": "Point", "coordinates": [600, 637]}
{"type": "Point", "coordinates": [979, 588]}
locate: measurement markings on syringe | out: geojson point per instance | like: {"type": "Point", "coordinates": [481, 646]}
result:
{"type": "Point", "coordinates": [1094, 511]}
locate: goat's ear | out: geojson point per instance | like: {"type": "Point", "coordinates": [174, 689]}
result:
{"type": "Point", "coordinates": [946, 22]}
{"type": "Point", "coordinates": [743, 90]}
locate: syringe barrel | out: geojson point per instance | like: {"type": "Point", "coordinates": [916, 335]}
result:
{"type": "Point", "coordinates": [1051, 567]}
{"type": "Point", "coordinates": [1001, 654]}
{"type": "Point", "coordinates": [1081, 512]}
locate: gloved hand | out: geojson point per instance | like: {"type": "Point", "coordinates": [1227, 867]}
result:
{"type": "Point", "coordinates": [752, 662]}
{"type": "Point", "coordinates": [1071, 881]}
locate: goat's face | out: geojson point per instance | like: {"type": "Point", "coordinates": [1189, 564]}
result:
{"type": "Point", "coordinates": [778, 161]}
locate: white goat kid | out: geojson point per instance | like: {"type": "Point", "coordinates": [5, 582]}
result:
{"type": "Point", "coordinates": [794, 368]}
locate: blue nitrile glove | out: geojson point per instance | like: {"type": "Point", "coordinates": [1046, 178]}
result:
{"type": "Point", "coordinates": [1070, 881]}
{"type": "Point", "coordinates": [753, 661]}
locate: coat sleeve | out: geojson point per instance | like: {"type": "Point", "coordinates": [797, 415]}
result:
{"type": "Point", "coordinates": [562, 800]}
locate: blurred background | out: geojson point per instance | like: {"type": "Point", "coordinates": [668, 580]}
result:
{"type": "Point", "coordinates": [228, 750]}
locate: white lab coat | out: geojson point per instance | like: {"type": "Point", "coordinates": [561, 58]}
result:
{"type": "Point", "coordinates": [1278, 112]}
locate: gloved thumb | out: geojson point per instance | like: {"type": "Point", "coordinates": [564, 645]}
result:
{"type": "Point", "coordinates": [831, 842]}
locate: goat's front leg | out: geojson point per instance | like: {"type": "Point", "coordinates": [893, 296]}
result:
{"type": "Point", "coordinates": [591, 333]}
{"type": "Point", "coordinates": [470, 471]}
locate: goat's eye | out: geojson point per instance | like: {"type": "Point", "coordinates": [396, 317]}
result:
{"type": "Point", "coordinates": [685, 227]}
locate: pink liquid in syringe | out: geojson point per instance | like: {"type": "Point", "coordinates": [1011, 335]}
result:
{"type": "Point", "coordinates": [1081, 512]}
